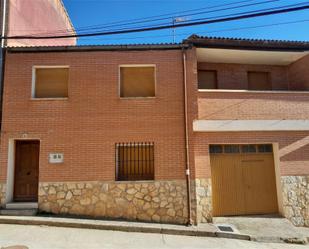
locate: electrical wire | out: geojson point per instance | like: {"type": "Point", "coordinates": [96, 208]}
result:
{"type": "Point", "coordinates": [194, 14]}
{"type": "Point", "coordinates": [203, 32]}
{"type": "Point", "coordinates": [147, 20]}
{"type": "Point", "coordinates": [240, 16]}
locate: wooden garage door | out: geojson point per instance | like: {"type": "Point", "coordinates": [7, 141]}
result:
{"type": "Point", "coordinates": [243, 179]}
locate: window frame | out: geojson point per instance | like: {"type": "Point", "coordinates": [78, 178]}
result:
{"type": "Point", "coordinates": [137, 65]}
{"type": "Point", "coordinates": [216, 83]}
{"type": "Point", "coordinates": [133, 144]}
{"type": "Point", "coordinates": [240, 151]}
{"type": "Point", "coordinates": [33, 83]}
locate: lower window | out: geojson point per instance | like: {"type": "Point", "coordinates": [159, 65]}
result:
{"type": "Point", "coordinates": [134, 161]}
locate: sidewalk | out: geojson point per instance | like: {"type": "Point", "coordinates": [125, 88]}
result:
{"type": "Point", "coordinates": [267, 228]}
{"type": "Point", "coordinates": [203, 230]}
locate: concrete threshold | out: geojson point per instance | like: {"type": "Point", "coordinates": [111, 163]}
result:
{"type": "Point", "coordinates": [204, 230]}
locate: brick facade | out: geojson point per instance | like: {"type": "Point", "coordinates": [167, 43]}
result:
{"type": "Point", "coordinates": [86, 126]}
{"type": "Point", "coordinates": [234, 76]}
{"type": "Point", "coordinates": [293, 146]}
{"type": "Point", "coordinates": [298, 74]}
{"type": "Point", "coordinates": [293, 153]}
{"type": "Point", "coordinates": [246, 105]}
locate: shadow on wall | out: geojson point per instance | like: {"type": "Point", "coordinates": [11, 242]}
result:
{"type": "Point", "coordinates": [252, 106]}
{"type": "Point", "coordinates": [295, 151]}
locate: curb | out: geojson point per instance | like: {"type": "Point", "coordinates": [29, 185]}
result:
{"type": "Point", "coordinates": [139, 227]}
{"type": "Point", "coordinates": [122, 227]}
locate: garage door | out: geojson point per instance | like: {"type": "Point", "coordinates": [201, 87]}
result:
{"type": "Point", "coordinates": [243, 179]}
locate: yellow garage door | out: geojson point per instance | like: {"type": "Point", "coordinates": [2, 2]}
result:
{"type": "Point", "coordinates": [243, 179]}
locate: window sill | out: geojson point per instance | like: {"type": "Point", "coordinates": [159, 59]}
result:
{"type": "Point", "coordinates": [137, 98]}
{"type": "Point", "coordinates": [249, 91]}
{"type": "Point", "coordinates": [137, 181]}
{"type": "Point", "coordinates": [49, 99]}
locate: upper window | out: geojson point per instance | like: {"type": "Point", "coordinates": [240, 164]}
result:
{"type": "Point", "coordinates": [248, 148]}
{"type": "Point", "coordinates": [134, 161]}
{"type": "Point", "coordinates": [236, 148]}
{"type": "Point", "coordinates": [137, 81]}
{"type": "Point", "coordinates": [207, 79]}
{"type": "Point", "coordinates": [51, 82]}
{"type": "Point", "coordinates": [213, 148]}
{"type": "Point", "coordinates": [231, 148]}
{"type": "Point", "coordinates": [264, 148]}
{"type": "Point", "coordinates": [259, 81]}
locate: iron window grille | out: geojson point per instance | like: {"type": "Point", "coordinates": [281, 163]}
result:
{"type": "Point", "coordinates": [134, 161]}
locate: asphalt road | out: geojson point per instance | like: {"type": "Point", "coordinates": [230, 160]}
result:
{"type": "Point", "coordinates": [43, 237]}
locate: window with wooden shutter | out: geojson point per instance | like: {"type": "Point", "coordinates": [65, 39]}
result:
{"type": "Point", "coordinates": [207, 79]}
{"type": "Point", "coordinates": [259, 81]}
{"type": "Point", "coordinates": [51, 82]}
{"type": "Point", "coordinates": [135, 161]}
{"type": "Point", "coordinates": [137, 81]}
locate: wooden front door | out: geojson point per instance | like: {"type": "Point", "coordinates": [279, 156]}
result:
{"type": "Point", "coordinates": [26, 178]}
{"type": "Point", "coordinates": [243, 182]}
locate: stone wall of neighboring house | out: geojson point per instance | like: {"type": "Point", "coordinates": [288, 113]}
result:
{"type": "Point", "coordinates": [157, 201]}
{"type": "Point", "coordinates": [295, 191]}
{"type": "Point", "coordinates": [203, 200]}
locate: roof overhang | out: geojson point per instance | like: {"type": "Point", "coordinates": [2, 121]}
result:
{"type": "Point", "coordinates": [247, 44]}
{"type": "Point", "coordinates": [241, 56]}
{"type": "Point", "coordinates": [88, 48]}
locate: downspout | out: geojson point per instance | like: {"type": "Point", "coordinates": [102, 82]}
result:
{"type": "Point", "coordinates": [3, 31]}
{"type": "Point", "coordinates": [3, 54]}
{"type": "Point", "coordinates": [187, 155]}
{"type": "Point", "coordinates": [3, 51]}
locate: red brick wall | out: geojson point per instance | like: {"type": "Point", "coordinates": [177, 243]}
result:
{"type": "Point", "coordinates": [293, 149]}
{"type": "Point", "coordinates": [299, 74]}
{"type": "Point", "coordinates": [87, 125]}
{"type": "Point", "coordinates": [293, 146]}
{"type": "Point", "coordinates": [234, 76]}
{"type": "Point", "coordinates": [246, 105]}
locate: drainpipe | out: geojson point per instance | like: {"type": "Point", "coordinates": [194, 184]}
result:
{"type": "Point", "coordinates": [3, 32]}
{"type": "Point", "coordinates": [2, 56]}
{"type": "Point", "coordinates": [187, 158]}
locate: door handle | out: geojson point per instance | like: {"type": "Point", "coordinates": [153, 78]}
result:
{"type": "Point", "coordinates": [28, 173]}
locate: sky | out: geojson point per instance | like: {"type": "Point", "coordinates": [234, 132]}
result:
{"type": "Point", "coordinates": [89, 14]}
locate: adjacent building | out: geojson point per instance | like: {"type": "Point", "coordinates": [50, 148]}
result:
{"type": "Point", "coordinates": [174, 133]}
{"type": "Point", "coordinates": [37, 18]}
{"type": "Point", "coordinates": [32, 18]}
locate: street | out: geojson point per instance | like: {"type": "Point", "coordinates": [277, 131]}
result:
{"type": "Point", "coordinates": [39, 237]}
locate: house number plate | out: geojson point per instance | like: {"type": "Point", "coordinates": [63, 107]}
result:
{"type": "Point", "coordinates": [56, 158]}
